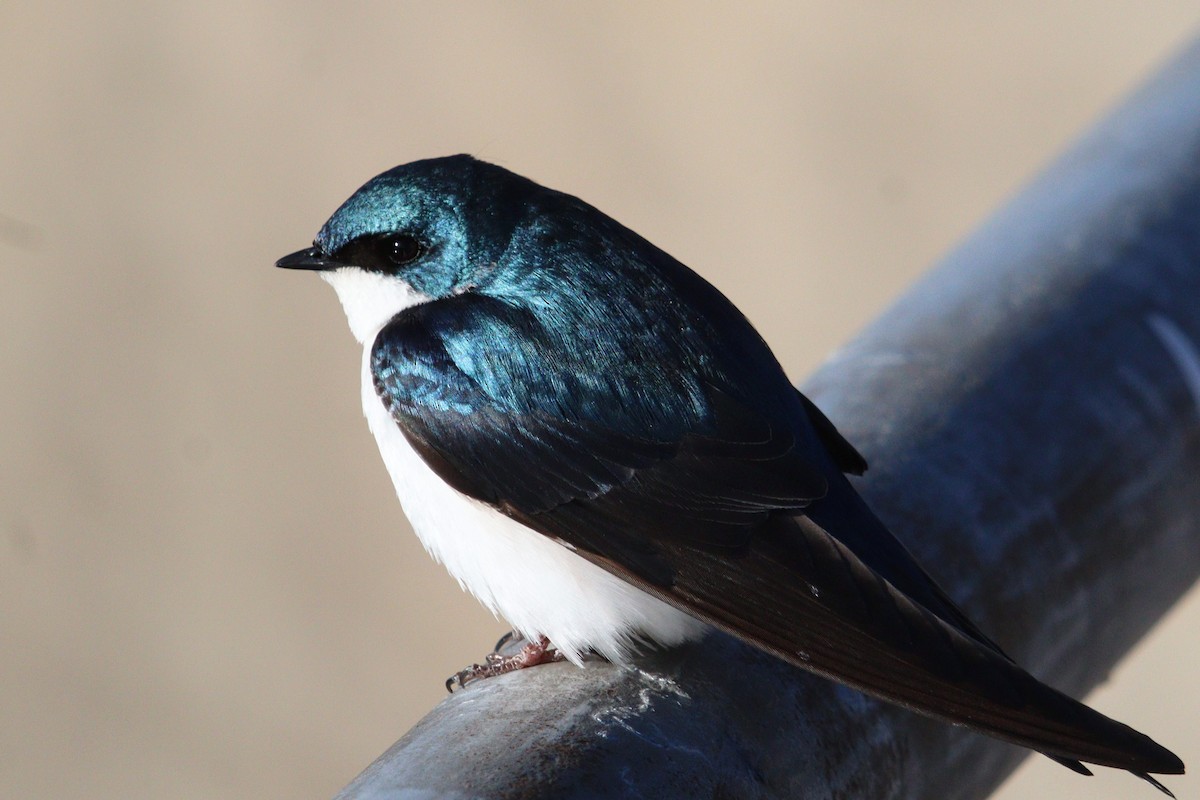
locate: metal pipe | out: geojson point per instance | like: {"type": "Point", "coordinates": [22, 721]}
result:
{"type": "Point", "coordinates": [1031, 412]}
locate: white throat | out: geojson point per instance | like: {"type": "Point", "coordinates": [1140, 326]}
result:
{"type": "Point", "coordinates": [370, 300]}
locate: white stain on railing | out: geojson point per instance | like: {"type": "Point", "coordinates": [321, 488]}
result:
{"type": "Point", "coordinates": [1183, 351]}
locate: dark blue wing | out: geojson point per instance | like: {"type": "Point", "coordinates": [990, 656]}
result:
{"type": "Point", "coordinates": [610, 460]}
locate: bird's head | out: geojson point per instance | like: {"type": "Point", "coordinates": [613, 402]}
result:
{"type": "Point", "coordinates": [422, 231]}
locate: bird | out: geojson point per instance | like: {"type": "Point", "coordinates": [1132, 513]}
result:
{"type": "Point", "coordinates": [600, 447]}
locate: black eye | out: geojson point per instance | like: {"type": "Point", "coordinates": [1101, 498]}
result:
{"type": "Point", "coordinates": [386, 252]}
{"type": "Point", "coordinates": [400, 248]}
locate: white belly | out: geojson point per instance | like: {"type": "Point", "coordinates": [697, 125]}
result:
{"type": "Point", "coordinates": [538, 585]}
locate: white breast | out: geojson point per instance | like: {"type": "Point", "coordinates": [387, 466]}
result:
{"type": "Point", "coordinates": [537, 584]}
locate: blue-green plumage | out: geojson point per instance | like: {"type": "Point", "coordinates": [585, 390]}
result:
{"type": "Point", "coordinates": [538, 375]}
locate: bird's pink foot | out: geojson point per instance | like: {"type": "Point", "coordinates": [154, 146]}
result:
{"type": "Point", "coordinates": [532, 654]}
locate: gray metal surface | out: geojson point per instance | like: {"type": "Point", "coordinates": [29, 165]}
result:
{"type": "Point", "coordinates": [1031, 412]}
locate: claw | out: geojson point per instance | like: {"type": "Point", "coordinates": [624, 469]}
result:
{"type": "Point", "coordinates": [505, 639]}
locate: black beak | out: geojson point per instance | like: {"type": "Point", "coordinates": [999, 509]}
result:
{"type": "Point", "coordinates": [312, 258]}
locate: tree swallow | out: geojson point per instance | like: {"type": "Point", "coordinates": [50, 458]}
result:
{"type": "Point", "coordinates": [600, 447]}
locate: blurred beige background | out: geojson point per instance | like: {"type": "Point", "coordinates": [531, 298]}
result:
{"type": "Point", "coordinates": [206, 585]}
